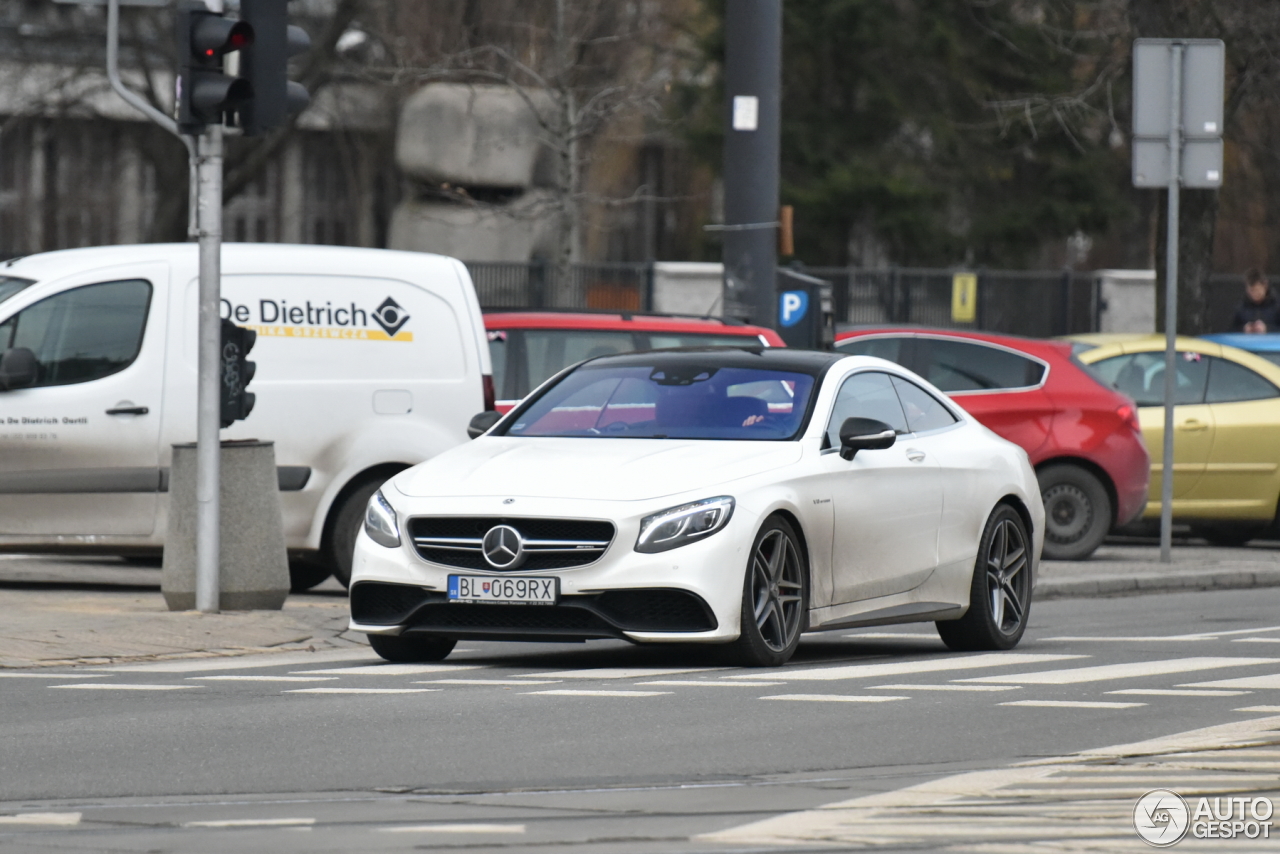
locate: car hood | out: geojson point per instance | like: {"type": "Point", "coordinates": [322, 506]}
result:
{"type": "Point", "coordinates": [593, 469]}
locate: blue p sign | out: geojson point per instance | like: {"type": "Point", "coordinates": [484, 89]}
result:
{"type": "Point", "coordinates": [792, 306]}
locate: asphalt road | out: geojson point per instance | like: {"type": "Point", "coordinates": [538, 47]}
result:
{"type": "Point", "coordinates": [602, 747]}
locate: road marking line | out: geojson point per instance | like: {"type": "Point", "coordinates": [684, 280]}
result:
{"type": "Point", "coordinates": [1101, 673]}
{"type": "Point", "coordinates": [1264, 682]}
{"type": "Point", "coordinates": [710, 684]}
{"type": "Point", "coordinates": [243, 662]}
{"type": "Point", "coordinates": [359, 690]}
{"type": "Point", "coordinates": [486, 682]}
{"type": "Point", "coordinates": [62, 819]}
{"type": "Point", "coordinates": [930, 665]}
{"type": "Point", "coordinates": [252, 822]}
{"type": "Point", "coordinates": [944, 687]}
{"type": "Point", "coordinates": [455, 828]}
{"type": "Point", "coordinates": [621, 672]}
{"type": "Point", "coordinates": [389, 670]}
{"type": "Point", "coordinates": [4, 675]}
{"type": "Point", "coordinates": [1216, 635]}
{"type": "Point", "coordinates": [835, 698]}
{"type": "Point", "coordinates": [1265, 709]}
{"type": "Point", "coordinates": [1255, 640]}
{"type": "Point", "coordinates": [264, 678]}
{"type": "Point", "coordinates": [565, 692]}
{"type": "Point", "coordinates": [107, 686]}
{"type": "Point", "coordinates": [1150, 639]}
{"type": "Point", "coordinates": [1073, 704]}
{"type": "Point", "coordinates": [1178, 692]}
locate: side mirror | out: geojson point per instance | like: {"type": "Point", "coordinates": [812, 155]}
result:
{"type": "Point", "coordinates": [19, 368]}
{"type": "Point", "coordinates": [864, 434]}
{"type": "Point", "coordinates": [481, 423]}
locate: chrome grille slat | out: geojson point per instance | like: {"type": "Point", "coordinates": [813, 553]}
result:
{"type": "Point", "coordinates": [459, 541]}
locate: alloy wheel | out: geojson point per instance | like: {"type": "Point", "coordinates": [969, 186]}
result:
{"type": "Point", "coordinates": [1007, 577]}
{"type": "Point", "coordinates": [776, 589]}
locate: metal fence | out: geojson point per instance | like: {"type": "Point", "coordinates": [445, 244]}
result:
{"type": "Point", "coordinates": [622, 287]}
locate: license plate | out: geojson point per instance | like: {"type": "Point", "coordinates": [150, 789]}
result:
{"type": "Point", "coordinates": [503, 591]}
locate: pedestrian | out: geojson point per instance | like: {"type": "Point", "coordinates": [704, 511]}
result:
{"type": "Point", "coordinates": [1259, 311]}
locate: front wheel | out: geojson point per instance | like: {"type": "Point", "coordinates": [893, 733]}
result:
{"type": "Point", "coordinates": [1000, 596]}
{"type": "Point", "coordinates": [775, 597]}
{"type": "Point", "coordinates": [411, 648]}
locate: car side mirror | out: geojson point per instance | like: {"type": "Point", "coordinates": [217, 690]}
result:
{"type": "Point", "coordinates": [481, 423]}
{"type": "Point", "coordinates": [19, 368]}
{"type": "Point", "coordinates": [864, 434]}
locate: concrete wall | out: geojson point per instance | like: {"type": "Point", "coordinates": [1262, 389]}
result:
{"type": "Point", "coordinates": [1128, 300]}
{"type": "Point", "coordinates": [682, 287]}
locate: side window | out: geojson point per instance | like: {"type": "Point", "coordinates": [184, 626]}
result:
{"type": "Point", "coordinates": [547, 351]}
{"type": "Point", "coordinates": [924, 412]}
{"type": "Point", "coordinates": [1231, 382]}
{"type": "Point", "coordinates": [965, 366]}
{"type": "Point", "coordinates": [83, 334]}
{"type": "Point", "coordinates": [498, 358]}
{"type": "Point", "coordinates": [1141, 376]}
{"type": "Point", "coordinates": [892, 349]}
{"type": "Point", "coordinates": [866, 395]}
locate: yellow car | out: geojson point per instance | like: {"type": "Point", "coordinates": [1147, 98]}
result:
{"type": "Point", "coordinates": [1226, 445]}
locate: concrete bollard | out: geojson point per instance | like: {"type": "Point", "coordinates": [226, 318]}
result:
{"type": "Point", "coordinates": [254, 573]}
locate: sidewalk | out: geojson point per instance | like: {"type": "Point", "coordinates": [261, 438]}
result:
{"type": "Point", "coordinates": [61, 611]}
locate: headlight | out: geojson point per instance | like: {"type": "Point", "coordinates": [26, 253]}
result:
{"type": "Point", "coordinates": [682, 525]}
{"type": "Point", "coordinates": [380, 522]}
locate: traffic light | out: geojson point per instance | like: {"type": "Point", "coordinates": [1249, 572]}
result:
{"type": "Point", "coordinates": [237, 371]}
{"type": "Point", "coordinates": [265, 65]}
{"type": "Point", "coordinates": [204, 94]}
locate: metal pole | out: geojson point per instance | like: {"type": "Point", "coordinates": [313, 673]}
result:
{"type": "Point", "coordinates": [752, 152]}
{"type": "Point", "coordinates": [208, 448]}
{"type": "Point", "coordinates": [1171, 302]}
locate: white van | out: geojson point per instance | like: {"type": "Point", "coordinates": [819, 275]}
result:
{"type": "Point", "coordinates": [368, 361]}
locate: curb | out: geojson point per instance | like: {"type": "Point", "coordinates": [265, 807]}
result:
{"type": "Point", "coordinates": [1138, 584]}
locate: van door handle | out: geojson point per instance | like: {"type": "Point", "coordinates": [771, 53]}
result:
{"type": "Point", "coordinates": [128, 410]}
{"type": "Point", "coordinates": [915, 456]}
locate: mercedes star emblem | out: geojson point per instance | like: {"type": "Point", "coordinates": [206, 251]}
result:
{"type": "Point", "coordinates": [503, 547]}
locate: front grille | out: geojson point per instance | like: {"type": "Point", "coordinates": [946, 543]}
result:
{"type": "Point", "coordinates": [548, 543]}
{"type": "Point", "coordinates": [603, 615]}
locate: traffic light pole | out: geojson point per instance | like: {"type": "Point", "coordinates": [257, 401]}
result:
{"type": "Point", "coordinates": [208, 418]}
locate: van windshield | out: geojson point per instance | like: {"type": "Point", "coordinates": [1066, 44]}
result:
{"type": "Point", "coordinates": [10, 285]}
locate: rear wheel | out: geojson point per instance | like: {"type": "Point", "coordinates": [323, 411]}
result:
{"type": "Point", "coordinates": [346, 527]}
{"type": "Point", "coordinates": [1077, 512]}
{"type": "Point", "coordinates": [1000, 597]}
{"type": "Point", "coordinates": [411, 648]}
{"type": "Point", "coordinates": [775, 597]}
{"type": "Point", "coordinates": [305, 574]}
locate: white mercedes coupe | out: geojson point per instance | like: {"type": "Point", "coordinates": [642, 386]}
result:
{"type": "Point", "coordinates": [719, 495]}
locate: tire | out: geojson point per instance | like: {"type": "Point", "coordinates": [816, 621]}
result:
{"type": "Point", "coordinates": [305, 574]}
{"type": "Point", "coordinates": [1077, 512]}
{"type": "Point", "coordinates": [346, 527]}
{"type": "Point", "coordinates": [775, 597]}
{"type": "Point", "coordinates": [1228, 536]}
{"type": "Point", "coordinates": [410, 648]}
{"type": "Point", "coordinates": [1000, 596]}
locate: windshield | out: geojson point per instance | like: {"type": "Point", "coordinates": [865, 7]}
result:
{"type": "Point", "coordinates": [685, 400]}
{"type": "Point", "coordinates": [10, 285]}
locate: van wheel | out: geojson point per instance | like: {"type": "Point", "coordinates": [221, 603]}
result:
{"type": "Point", "coordinates": [346, 527]}
{"type": "Point", "coordinates": [410, 648]}
{"type": "Point", "coordinates": [1077, 512]}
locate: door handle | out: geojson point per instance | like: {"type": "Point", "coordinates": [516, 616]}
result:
{"type": "Point", "coordinates": [1192, 425]}
{"type": "Point", "coordinates": [915, 456]}
{"type": "Point", "coordinates": [128, 410]}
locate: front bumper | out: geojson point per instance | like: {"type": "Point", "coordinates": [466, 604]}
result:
{"type": "Point", "coordinates": [692, 593]}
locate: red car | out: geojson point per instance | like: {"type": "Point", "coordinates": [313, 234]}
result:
{"type": "Point", "coordinates": [1082, 437]}
{"type": "Point", "coordinates": [527, 347]}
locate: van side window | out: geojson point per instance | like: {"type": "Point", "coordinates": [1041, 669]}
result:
{"type": "Point", "coordinates": [82, 334]}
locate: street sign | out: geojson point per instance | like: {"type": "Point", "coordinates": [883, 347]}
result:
{"type": "Point", "coordinates": [1177, 142]}
{"type": "Point", "coordinates": [964, 297]}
